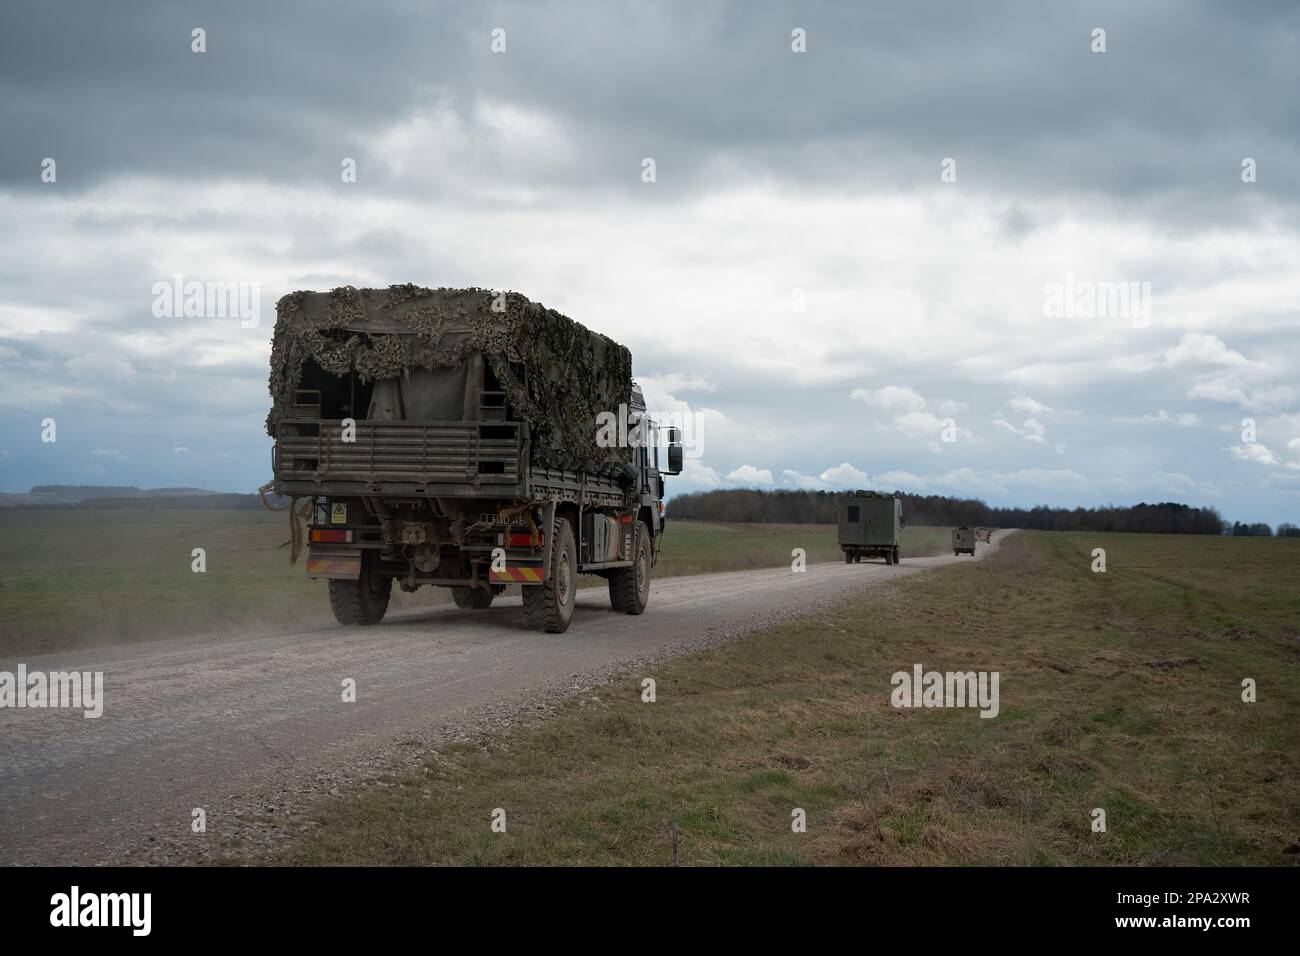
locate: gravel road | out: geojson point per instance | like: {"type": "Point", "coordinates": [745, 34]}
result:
{"type": "Point", "coordinates": [253, 729]}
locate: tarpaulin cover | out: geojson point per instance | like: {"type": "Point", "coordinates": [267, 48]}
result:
{"type": "Point", "coordinates": [569, 373]}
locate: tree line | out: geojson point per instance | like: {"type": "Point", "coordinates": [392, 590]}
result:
{"type": "Point", "coordinates": [818, 507]}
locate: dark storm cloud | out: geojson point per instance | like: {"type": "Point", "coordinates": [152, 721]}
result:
{"type": "Point", "coordinates": [712, 91]}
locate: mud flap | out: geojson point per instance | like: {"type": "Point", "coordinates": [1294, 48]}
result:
{"type": "Point", "coordinates": [340, 567]}
{"type": "Point", "coordinates": [518, 573]}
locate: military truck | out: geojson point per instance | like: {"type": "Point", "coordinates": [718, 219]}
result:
{"type": "Point", "coordinates": [963, 540]}
{"type": "Point", "coordinates": [464, 439]}
{"type": "Point", "coordinates": [869, 525]}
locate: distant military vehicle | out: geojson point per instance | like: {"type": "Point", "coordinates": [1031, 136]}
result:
{"type": "Point", "coordinates": [963, 540]}
{"type": "Point", "coordinates": [464, 439]}
{"type": "Point", "coordinates": [870, 525]}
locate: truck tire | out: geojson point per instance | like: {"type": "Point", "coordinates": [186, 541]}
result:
{"type": "Point", "coordinates": [848, 558]}
{"type": "Point", "coordinates": [549, 606]}
{"type": "Point", "coordinates": [629, 588]}
{"type": "Point", "coordinates": [360, 602]}
{"type": "Point", "coordinates": [476, 599]}
{"type": "Point", "coordinates": [897, 554]}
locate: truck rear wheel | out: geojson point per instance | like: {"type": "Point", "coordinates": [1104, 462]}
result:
{"type": "Point", "coordinates": [477, 599]}
{"type": "Point", "coordinates": [848, 558]}
{"type": "Point", "coordinates": [549, 606]}
{"type": "Point", "coordinates": [363, 601]}
{"type": "Point", "coordinates": [629, 588]}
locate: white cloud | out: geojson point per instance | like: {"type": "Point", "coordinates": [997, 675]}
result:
{"type": "Point", "coordinates": [1231, 389]}
{"type": "Point", "coordinates": [919, 423]}
{"type": "Point", "coordinates": [749, 475]}
{"type": "Point", "coordinates": [844, 476]}
{"type": "Point", "coordinates": [112, 454]}
{"type": "Point", "coordinates": [1185, 420]}
{"type": "Point", "coordinates": [1197, 348]}
{"type": "Point", "coordinates": [898, 398]}
{"type": "Point", "coordinates": [797, 479]}
{"type": "Point", "coordinates": [1234, 379]}
{"type": "Point", "coordinates": [841, 477]}
{"type": "Point", "coordinates": [1028, 406]}
{"type": "Point", "coordinates": [1031, 429]}
{"type": "Point", "coordinates": [698, 474]}
{"type": "Point", "coordinates": [1256, 452]}
{"type": "Point", "coordinates": [910, 416]}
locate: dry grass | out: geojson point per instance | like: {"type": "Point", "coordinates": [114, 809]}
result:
{"type": "Point", "coordinates": [1108, 699]}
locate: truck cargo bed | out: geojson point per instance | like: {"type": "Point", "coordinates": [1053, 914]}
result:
{"type": "Point", "coordinates": [424, 459]}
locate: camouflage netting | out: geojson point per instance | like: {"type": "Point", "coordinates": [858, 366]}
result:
{"type": "Point", "coordinates": [571, 373]}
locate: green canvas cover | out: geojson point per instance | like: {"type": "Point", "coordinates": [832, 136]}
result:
{"type": "Point", "coordinates": [571, 374]}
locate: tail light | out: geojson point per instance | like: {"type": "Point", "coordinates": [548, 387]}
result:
{"type": "Point", "coordinates": [518, 540]}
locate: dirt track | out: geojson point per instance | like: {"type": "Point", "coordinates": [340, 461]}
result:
{"type": "Point", "coordinates": [250, 729]}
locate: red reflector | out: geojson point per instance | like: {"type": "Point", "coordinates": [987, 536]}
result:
{"type": "Point", "coordinates": [326, 536]}
{"type": "Point", "coordinates": [523, 541]}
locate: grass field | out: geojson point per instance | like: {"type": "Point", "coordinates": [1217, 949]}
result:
{"type": "Point", "coordinates": [1120, 691]}
{"type": "Point", "coordinates": [92, 576]}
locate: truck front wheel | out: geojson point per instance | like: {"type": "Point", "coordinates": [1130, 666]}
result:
{"type": "Point", "coordinates": [629, 588]}
{"type": "Point", "coordinates": [549, 606]}
{"type": "Point", "coordinates": [363, 601]}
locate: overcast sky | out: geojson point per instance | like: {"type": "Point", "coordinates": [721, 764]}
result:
{"type": "Point", "coordinates": [834, 303]}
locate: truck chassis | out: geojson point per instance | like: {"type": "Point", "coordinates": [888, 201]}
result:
{"type": "Point", "coordinates": [456, 505]}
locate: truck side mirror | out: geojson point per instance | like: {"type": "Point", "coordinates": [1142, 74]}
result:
{"type": "Point", "coordinates": [675, 458]}
{"type": "Point", "coordinates": [674, 435]}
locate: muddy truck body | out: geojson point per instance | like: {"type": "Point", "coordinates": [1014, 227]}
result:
{"type": "Point", "coordinates": [464, 439]}
{"type": "Point", "coordinates": [963, 540]}
{"type": "Point", "coordinates": [869, 526]}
